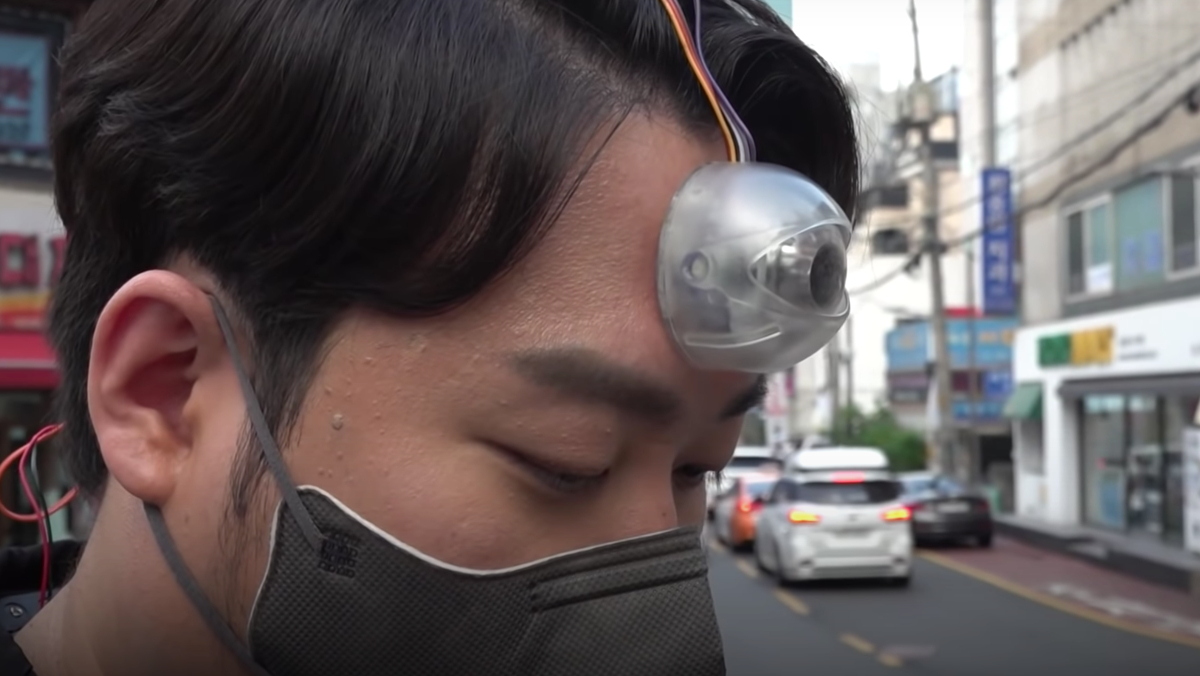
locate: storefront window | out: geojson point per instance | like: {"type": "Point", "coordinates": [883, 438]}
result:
{"type": "Point", "coordinates": [1132, 451]}
{"type": "Point", "coordinates": [1103, 446]}
{"type": "Point", "coordinates": [1178, 414]}
{"type": "Point", "coordinates": [1144, 465]}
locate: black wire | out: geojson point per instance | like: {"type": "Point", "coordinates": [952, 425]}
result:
{"type": "Point", "coordinates": [43, 510]}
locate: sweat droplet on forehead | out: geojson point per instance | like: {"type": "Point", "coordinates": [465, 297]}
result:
{"type": "Point", "coordinates": [337, 421]}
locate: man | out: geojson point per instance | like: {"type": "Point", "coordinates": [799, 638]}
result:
{"type": "Point", "coordinates": [359, 318]}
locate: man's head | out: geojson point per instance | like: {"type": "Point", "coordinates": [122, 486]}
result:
{"type": "Point", "coordinates": [434, 225]}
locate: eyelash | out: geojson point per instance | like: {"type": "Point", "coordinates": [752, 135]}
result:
{"type": "Point", "coordinates": [568, 483]}
{"type": "Point", "coordinates": [693, 475]}
{"type": "Point", "coordinates": [688, 476]}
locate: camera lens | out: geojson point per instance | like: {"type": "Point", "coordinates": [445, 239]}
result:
{"type": "Point", "coordinates": [827, 276]}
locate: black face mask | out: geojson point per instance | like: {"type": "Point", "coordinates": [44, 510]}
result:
{"type": "Point", "coordinates": [341, 596]}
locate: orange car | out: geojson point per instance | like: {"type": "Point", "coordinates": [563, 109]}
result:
{"type": "Point", "coordinates": [735, 514]}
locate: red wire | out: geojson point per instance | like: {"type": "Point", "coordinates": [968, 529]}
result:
{"type": "Point", "coordinates": [19, 454]}
{"type": "Point", "coordinates": [40, 521]}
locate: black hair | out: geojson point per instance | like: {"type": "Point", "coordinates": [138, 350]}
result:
{"type": "Point", "coordinates": [397, 155]}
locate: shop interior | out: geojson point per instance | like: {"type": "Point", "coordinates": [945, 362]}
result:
{"type": "Point", "coordinates": [1132, 462]}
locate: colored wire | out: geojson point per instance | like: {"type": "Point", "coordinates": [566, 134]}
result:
{"type": "Point", "coordinates": [690, 51]}
{"type": "Point", "coordinates": [22, 470]}
{"type": "Point", "coordinates": [746, 151]}
{"type": "Point", "coordinates": [19, 455]}
{"type": "Point", "coordinates": [35, 480]}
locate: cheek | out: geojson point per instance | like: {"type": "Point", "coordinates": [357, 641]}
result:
{"type": "Point", "coordinates": [689, 505]}
{"type": "Point", "coordinates": [453, 500]}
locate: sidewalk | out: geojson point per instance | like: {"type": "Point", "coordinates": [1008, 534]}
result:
{"type": "Point", "coordinates": [1080, 588]}
{"type": "Point", "coordinates": [1148, 561]}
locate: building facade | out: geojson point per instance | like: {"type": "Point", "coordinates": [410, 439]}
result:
{"type": "Point", "coordinates": [1107, 366]}
{"type": "Point", "coordinates": [886, 279]}
{"type": "Point", "coordinates": [981, 354]}
{"type": "Point", "coordinates": [31, 240]}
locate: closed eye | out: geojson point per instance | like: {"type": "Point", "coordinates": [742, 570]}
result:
{"type": "Point", "coordinates": [557, 479]}
{"type": "Point", "coordinates": [691, 476]}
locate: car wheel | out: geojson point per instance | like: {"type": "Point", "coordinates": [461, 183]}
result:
{"type": "Point", "coordinates": [984, 541]}
{"type": "Point", "coordinates": [758, 562]}
{"type": "Point", "coordinates": [901, 582]}
{"type": "Point", "coordinates": [781, 577]}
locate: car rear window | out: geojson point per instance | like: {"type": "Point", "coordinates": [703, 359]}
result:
{"type": "Point", "coordinates": [749, 462]}
{"type": "Point", "coordinates": [758, 489]}
{"type": "Point", "coordinates": [918, 485]}
{"type": "Point", "coordinates": [865, 493]}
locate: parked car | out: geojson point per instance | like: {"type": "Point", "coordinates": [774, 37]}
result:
{"type": "Point", "coordinates": [835, 523]}
{"type": "Point", "coordinates": [746, 460]}
{"type": "Point", "coordinates": [735, 513]}
{"type": "Point", "coordinates": [944, 510]}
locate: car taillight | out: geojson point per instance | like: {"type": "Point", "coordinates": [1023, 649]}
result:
{"type": "Point", "coordinates": [747, 506]}
{"type": "Point", "coordinates": [898, 514]}
{"type": "Point", "coordinates": [800, 516]}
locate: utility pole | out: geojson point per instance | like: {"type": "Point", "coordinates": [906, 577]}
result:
{"type": "Point", "coordinates": [923, 112]}
{"type": "Point", "coordinates": [972, 470]}
{"type": "Point", "coordinates": [987, 81]}
{"type": "Point", "coordinates": [833, 365]}
{"type": "Point", "coordinates": [987, 119]}
{"type": "Point", "coordinates": [848, 359]}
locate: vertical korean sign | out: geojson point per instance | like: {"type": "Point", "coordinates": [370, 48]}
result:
{"type": "Point", "coordinates": [999, 291]}
{"type": "Point", "coordinates": [24, 91]}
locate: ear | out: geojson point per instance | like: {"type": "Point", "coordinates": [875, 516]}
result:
{"type": "Point", "coordinates": [154, 341]}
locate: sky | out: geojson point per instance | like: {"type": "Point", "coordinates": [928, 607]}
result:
{"type": "Point", "coordinates": [862, 31]}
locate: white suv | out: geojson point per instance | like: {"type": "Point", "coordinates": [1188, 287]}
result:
{"type": "Point", "coordinates": [835, 523]}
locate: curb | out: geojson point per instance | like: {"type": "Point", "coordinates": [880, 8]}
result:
{"type": "Point", "coordinates": [1101, 555]}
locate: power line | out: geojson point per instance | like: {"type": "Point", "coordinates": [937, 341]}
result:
{"type": "Point", "coordinates": [1107, 158]}
{"type": "Point", "coordinates": [1117, 115]}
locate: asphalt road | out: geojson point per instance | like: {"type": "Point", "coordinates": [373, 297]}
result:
{"type": "Point", "coordinates": [945, 624]}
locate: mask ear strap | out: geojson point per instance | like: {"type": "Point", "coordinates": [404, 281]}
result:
{"type": "Point", "coordinates": [212, 617]}
{"type": "Point", "coordinates": [263, 431]}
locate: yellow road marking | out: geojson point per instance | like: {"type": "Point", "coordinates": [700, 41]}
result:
{"type": "Point", "coordinates": [801, 608]}
{"type": "Point", "coordinates": [1057, 604]}
{"type": "Point", "coordinates": [890, 660]}
{"type": "Point", "coordinates": [797, 606]}
{"type": "Point", "coordinates": [859, 644]}
{"type": "Point", "coordinates": [717, 546]}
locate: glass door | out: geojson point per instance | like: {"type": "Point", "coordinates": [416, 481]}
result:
{"type": "Point", "coordinates": [1144, 466]}
{"type": "Point", "coordinates": [1102, 446]}
{"type": "Point", "coordinates": [1178, 415]}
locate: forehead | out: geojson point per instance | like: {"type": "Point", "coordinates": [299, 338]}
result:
{"type": "Point", "coordinates": [592, 278]}
{"type": "Point", "coordinates": [589, 283]}
{"type": "Point", "coordinates": [607, 237]}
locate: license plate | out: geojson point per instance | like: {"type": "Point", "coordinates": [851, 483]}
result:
{"type": "Point", "coordinates": [953, 507]}
{"type": "Point", "coordinates": [853, 532]}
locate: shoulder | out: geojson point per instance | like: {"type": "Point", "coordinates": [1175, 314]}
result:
{"type": "Point", "coordinates": [21, 575]}
{"type": "Point", "coordinates": [21, 570]}
{"type": "Point", "coordinates": [21, 567]}
{"type": "Point", "coordinates": [12, 660]}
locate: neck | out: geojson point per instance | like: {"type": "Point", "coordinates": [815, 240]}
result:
{"type": "Point", "coordinates": [122, 613]}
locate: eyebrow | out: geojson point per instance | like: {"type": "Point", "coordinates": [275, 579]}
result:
{"type": "Point", "coordinates": [587, 375]}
